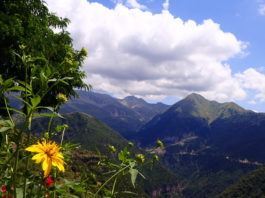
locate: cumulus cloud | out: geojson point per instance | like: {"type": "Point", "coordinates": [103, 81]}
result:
{"type": "Point", "coordinates": [135, 52]}
{"type": "Point", "coordinates": [253, 80]}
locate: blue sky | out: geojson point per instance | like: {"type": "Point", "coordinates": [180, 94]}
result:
{"type": "Point", "coordinates": [163, 50]}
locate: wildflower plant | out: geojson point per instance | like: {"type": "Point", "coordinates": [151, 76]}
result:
{"type": "Point", "coordinates": [17, 170]}
{"type": "Point", "coordinates": [37, 166]}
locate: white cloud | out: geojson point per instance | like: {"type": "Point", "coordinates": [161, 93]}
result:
{"type": "Point", "coordinates": [253, 80]}
{"type": "Point", "coordinates": [135, 4]}
{"type": "Point", "coordinates": [166, 5]}
{"type": "Point", "coordinates": [135, 52]}
{"type": "Point", "coordinates": [130, 4]}
{"type": "Point", "coordinates": [252, 102]}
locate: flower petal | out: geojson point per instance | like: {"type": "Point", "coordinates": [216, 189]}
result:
{"type": "Point", "coordinates": [38, 157]}
{"type": "Point", "coordinates": [58, 163]}
{"type": "Point", "coordinates": [34, 148]}
{"type": "Point", "coordinates": [46, 166]}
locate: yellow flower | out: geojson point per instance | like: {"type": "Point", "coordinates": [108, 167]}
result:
{"type": "Point", "coordinates": [49, 154]}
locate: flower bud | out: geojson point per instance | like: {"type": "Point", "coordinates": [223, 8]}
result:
{"type": "Point", "coordinates": [46, 135]}
{"type": "Point", "coordinates": [3, 189]}
{"type": "Point", "coordinates": [140, 157]}
{"type": "Point", "coordinates": [130, 144]}
{"type": "Point", "coordinates": [156, 158]}
{"type": "Point", "coordinates": [61, 98]}
{"type": "Point", "coordinates": [159, 143]}
{"type": "Point", "coordinates": [66, 126]}
{"type": "Point", "coordinates": [112, 148]}
{"type": "Point", "coordinates": [84, 52]}
{"type": "Point", "coordinates": [49, 181]}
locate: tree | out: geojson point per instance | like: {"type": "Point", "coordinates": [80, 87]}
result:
{"type": "Point", "coordinates": [28, 23]}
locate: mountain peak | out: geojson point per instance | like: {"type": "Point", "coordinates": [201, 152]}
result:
{"type": "Point", "coordinates": [196, 97]}
{"type": "Point", "coordinates": [196, 105]}
{"type": "Point", "coordinates": [133, 99]}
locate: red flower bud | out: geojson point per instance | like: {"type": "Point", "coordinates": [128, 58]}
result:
{"type": "Point", "coordinates": [49, 181]}
{"type": "Point", "coordinates": [3, 189]}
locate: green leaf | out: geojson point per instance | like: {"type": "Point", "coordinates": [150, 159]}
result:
{"type": "Point", "coordinates": [121, 156]}
{"type": "Point", "coordinates": [6, 123]}
{"type": "Point", "coordinates": [141, 175]}
{"type": "Point", "coordinates": [128, 192]}
{"type": "Point", "coordinates": [49, 108]}
{"type": "Point", "coordinates": [17, 88]}
{"type": "Point", "coordinates": [18, 111]}
{"type": "Point", "coordinates": [9, 82]}
{"type": "Point", "coordinates": [52, 80]}
{"type": "Point", "coordinates": [4, 129]}
{"type": "Point", "coordinates": [46, 114]}
{"type": "Point", "coordinates": [25, 85]}
{"type": "Point", "coordinates": [35, 101]}
{"type": "Point", "coordinates": [58, 115]}
{"type": "Point", "coordinates": [1, 79]}
{"type": "Point", "coordinates": [134, 173]}
{"type": "Point", "coordinates": [19, 192]}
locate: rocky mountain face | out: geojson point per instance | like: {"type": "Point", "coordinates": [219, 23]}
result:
{"type": "Point", "coordinates": [209, 145]}
{"type": "Point", "coordinates": [123, 115]}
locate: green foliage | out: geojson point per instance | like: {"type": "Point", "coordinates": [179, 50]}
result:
{"type": "Point", "coordinates": [22, 177]}
{"type": "Point", "coordinates": [26, 27]}
{"type": "Point", "coordinates": [249, 186]}
{"type": "Point", "coordinates": [91, 133]}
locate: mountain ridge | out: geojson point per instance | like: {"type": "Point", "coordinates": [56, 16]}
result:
{"type": "Point", "coordinates": [126, 119]}
{"type": "Point", "coordinates": [205, 140]}
{"type": "Point", "coordinates": [198, 106]}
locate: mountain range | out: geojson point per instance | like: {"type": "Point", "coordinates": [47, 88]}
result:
{"type": "Point", "coordinates": [123, 115]}
{"type": "Point", "coordinates": [209, 146]}
{"type": "Point", "coordinates": [225, 128]}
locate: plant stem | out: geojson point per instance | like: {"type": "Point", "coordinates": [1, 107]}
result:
{"type": "Point", "coordinates": [15, 170]}
{"type": "Point", "coordinates": [29, 120]}
{"type": "Point", "coordinates": [113, 176]}
{"type": "Point", "coordinates": [55, 175]}
{"type": "Point", "coordinates": [8, 112]}
{"type": "Point", "coordinates": [49, 127]}
{"type": "Point", "coordinates": [62, 137]}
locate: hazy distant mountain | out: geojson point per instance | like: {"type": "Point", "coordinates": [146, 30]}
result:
{"type": "Point", "coordinates": [145, 110]}
{"type": "Point", "coordinates": [125, 116]}
{"type": "Point", "coordinates": [208, 144]}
